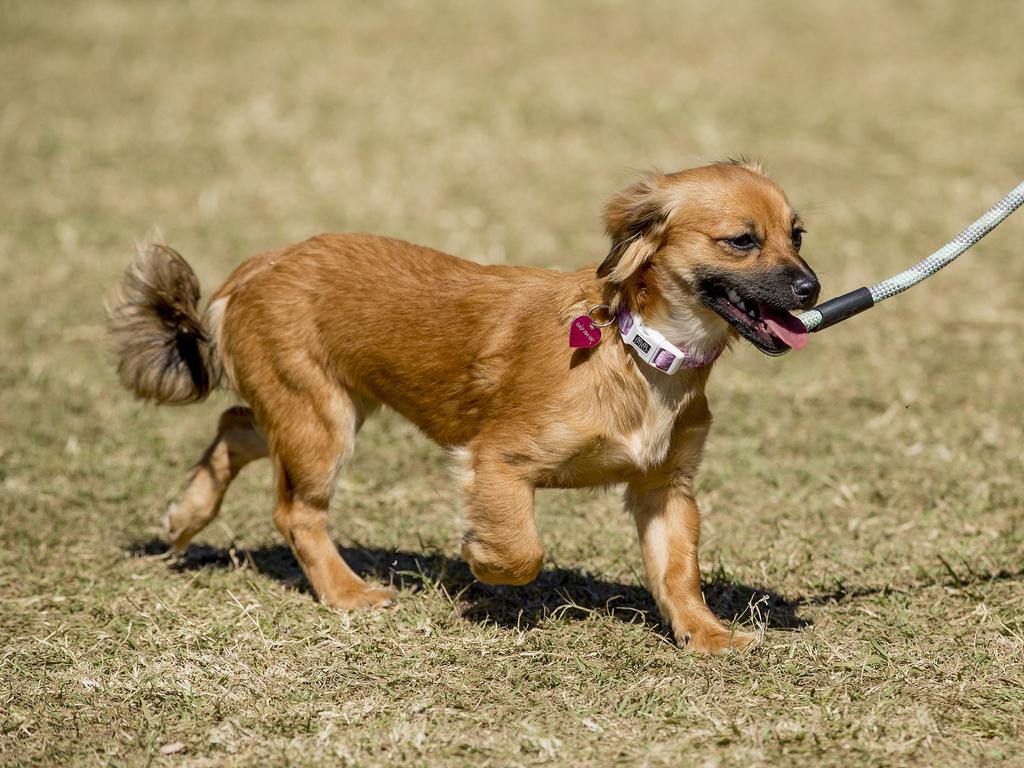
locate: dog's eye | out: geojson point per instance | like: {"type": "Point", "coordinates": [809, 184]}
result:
{"type": "Point", "coordinates": [798, 237]}
{"type": "Point", "coordinates": [742, 243]}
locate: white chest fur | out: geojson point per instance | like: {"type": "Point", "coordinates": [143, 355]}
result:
{"type": "Point", "coordinates": [647, 445]}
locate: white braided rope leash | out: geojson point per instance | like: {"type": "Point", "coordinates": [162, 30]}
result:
{"type": "Point", "coordinates": [849, 304]}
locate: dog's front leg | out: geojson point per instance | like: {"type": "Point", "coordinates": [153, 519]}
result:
{"type": "Point", "coordinates": [668, 522]}
{"type": "Point", "coordinates": [502, 545]}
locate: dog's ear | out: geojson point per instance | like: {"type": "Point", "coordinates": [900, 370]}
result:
{"type": "Point", "coordinates": [635, 220]}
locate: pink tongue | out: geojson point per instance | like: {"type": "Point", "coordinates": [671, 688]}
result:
{"type": "Point", "coordinates": [785, 327]}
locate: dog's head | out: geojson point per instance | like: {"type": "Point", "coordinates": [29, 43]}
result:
{"type": "Point", "coordinates": [716, 245]}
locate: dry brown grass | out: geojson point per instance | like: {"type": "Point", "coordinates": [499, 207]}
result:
{"type": "Point", "coordinates": [865, 495]}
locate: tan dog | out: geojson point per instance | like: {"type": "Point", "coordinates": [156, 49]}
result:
{"type": "Point", "coordinates": [316, 336]}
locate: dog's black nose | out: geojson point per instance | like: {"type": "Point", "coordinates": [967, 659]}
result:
{"type": "Point", "coordinates": [806, 289]}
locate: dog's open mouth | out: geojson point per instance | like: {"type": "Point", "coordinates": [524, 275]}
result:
{"type": "Point", "coordinates": [770, 328]}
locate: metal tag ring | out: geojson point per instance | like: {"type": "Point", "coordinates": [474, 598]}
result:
{"type": "Point", "coordinates": [590, 314]}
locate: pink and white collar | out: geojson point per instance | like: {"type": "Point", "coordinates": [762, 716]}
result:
{"type": "Point", "coordinates": [653, 348]}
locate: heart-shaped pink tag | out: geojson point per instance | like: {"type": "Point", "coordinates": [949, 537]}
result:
{"type": "Point", "coordinates": [583, 334]}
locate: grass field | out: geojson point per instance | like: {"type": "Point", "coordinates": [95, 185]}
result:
{"type": "Point", "coordinates": [863, 499]}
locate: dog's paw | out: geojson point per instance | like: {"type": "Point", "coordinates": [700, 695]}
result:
{"type": "Point", "coordinates": [716, 639]}
{"type": "Point", "coordinates": [355, 600]}
{"type": "Point", "coordinates": [174, 528]}
{"type": "Point", "coordinates": [497, 567]}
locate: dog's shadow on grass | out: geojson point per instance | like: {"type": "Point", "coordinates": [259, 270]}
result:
{"type": "Point", "coordinates": [557, 591]}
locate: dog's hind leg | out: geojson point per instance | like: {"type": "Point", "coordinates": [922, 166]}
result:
{"type": "Point", "coordinates": [237, 443]}
{"type": "Point", "coordinates": [308, 446]}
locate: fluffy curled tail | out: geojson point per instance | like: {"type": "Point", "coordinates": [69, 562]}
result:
{"type": "Point", "coordinates": [163, 351]}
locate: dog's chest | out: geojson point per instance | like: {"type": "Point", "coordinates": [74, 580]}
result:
{"type": "Point", "coordinates": [647, 445]}
{"type": "Point", "coordinates": [634, 435]}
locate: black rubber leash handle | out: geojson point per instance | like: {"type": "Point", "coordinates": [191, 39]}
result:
{"type": "Point", "coordinates": [841, 307]}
